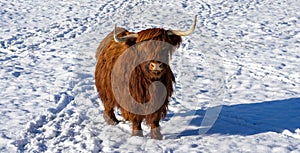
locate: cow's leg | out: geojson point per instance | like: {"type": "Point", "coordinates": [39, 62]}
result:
{"type": "Point", "coordinates": [109, 115]}
{"type": "Point", "coordinates": [137, 128]}
{"type": "Point", "coordinates": [155, 130]}
{"type": "Point", "coordinates": [153, 121]}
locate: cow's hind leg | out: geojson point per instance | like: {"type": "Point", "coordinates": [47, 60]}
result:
{"type": "Point", "coordinates": [109, 115]}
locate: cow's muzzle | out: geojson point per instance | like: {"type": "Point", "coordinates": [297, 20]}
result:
{"type": "Point", "coordinates": [156, 66]}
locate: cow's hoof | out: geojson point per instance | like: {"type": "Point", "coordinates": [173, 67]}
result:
{"type": "Point", "coordinates": [155, 134]}
{"type": "Point", "coordinates": [138, 133]}
{"type": "Point", "coordinates": [110, 120]}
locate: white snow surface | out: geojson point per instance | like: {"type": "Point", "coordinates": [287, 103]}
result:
{"type": "Point", "coordinates": [237, 76]}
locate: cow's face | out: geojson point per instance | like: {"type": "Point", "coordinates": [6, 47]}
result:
{"type": "Point", "coordinates": [156, 51]}
{"type": "Point", "coordinates": [154, 46]}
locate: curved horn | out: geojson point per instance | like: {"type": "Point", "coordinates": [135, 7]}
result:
{"type": "Point", "coordinates": [125, 38]}
{"type": "Point", "coordinates": [184, 33]}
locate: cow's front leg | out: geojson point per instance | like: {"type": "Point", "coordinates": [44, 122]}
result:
{"type": "Point", "coordinates": [137, 129]}
{"type": "Point", "coordinates": [155, 131]}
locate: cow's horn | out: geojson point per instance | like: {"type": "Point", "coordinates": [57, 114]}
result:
{"type": "Point", "coordinates": [125, 38]}
{"type": "Point", "coordinates": [184, 33]}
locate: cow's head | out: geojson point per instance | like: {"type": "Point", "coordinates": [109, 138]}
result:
{"type": "Point", "coordinates": [156, 45]}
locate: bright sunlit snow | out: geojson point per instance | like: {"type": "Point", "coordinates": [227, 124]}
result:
{"type": "Point", "coordinates": [237, 76]}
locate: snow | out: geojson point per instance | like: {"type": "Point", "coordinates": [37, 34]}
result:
{"type": "Point", "coordinates": [238, 76]}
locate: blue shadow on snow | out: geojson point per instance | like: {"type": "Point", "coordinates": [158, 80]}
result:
{"type": "Point", "coordinates": [250, 119]}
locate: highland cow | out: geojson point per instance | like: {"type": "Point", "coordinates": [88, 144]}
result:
{"type": "Point", "coordinates": [133, 74]}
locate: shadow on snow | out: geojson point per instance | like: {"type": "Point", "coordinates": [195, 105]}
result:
{"type": "Point", "coordinates": [250, 119]}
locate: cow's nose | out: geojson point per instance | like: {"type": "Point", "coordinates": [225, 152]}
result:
{"type": "Point", "coordinates": [155, 66]}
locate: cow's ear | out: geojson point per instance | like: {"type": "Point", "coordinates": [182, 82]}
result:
{"type": "Point", "coordinates": [131, 41]}
{"type": "Point", "coordinates": [175, 40]}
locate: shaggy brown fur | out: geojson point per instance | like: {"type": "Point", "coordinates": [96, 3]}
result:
{"type": "Point", "coordinates": [153, 44]}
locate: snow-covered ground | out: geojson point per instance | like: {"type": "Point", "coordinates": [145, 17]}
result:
{"type": "Point", "coordinates": [238, 76]}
